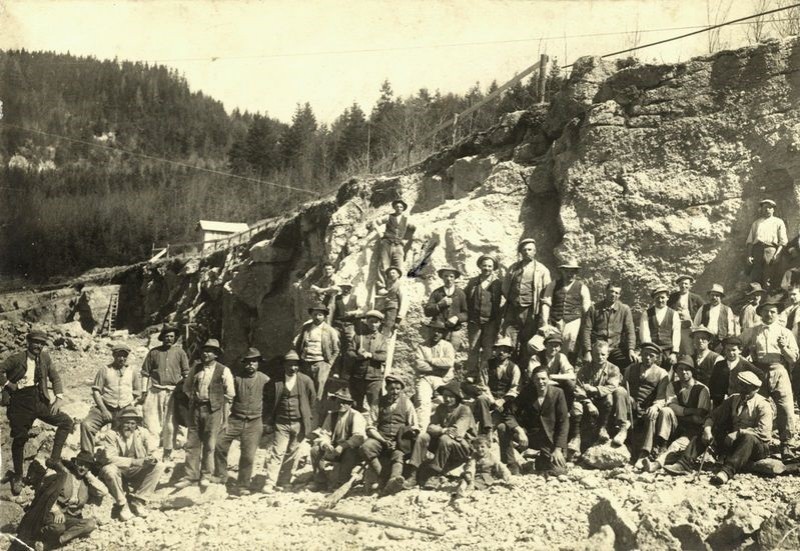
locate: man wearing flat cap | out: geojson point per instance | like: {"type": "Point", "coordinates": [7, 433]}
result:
{"type": "Point", "coordinates": [522, 288]}
{"type": "Point", "coordinates": [163, 368]}
{"type": "Point", "coordinates": [687, 304]}
{"type": "Point", "coordinates": [244, 423]}
{"type": "Point", "coordinates": [565, 301]}
{"type": "Point", "coordinates": [391, 249]}
{"type": "Point", "coordinates": [116, 387]}
{"type": "Point", "coordinates": [765, 241]}
{"type": "Point", "coordinates": [741, 429]}
{"type": "Point", "coordinates": [433, 366]}
{"type": "Point", "coordinates": [646, 383]}
{"type": "Point", "coordinates": [661, 325]}
{"type": "Point", "coordinates": [317, 344]}
{"type": "Point", "coordinates": [715, 316]}
{"type": "Point", "coordinates": [610, 320]}
{"type": "Point", "coordinates": [24, 379]}
{"type": "Point", "coordinates": [366, 355]}
{"type": "Point", "coordinates": [484, 294]}
{"type": "Point", "coordinates": [448, 304]}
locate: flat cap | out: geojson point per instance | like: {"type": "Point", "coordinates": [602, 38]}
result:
{"type": "Point", "coordinates": [374, 314]}
{"type": "Point", "coordinates": [651, 346]}
{"type": "Point", "coordinates": [749, 378]}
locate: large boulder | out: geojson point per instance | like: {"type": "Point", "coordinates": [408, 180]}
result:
{"type": "Point", "coordinates": [624, 522]}
{"type": "Point", "coordinates": [780, 530]}
{"type": "Point", "coordinates": [741, 522]}
{"type": "Point", "coordinates": [192, 495]}
{"type": "Point", "coordinates": [605, 457]}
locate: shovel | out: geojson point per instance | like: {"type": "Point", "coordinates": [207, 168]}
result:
{"type": "Point", "coordinates": [342, 490]}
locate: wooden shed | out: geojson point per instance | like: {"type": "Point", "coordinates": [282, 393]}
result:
{"type": "Point", "coordinates": [211, 230]}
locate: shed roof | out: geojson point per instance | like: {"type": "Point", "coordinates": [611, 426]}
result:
{"type": "Point", "coordinates": [222, 227]}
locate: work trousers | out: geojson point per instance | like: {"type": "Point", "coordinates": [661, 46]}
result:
{"type": "Point", "coordinates": [284, 452]}
{"type": "Point", "coordinates": [25, 407]}
{"type": "Point", "coordinates": [537, 440]}
{"type": "Point", "coordinates": [365, 388]}
{"type": "Point", "coordinates": [485, 411]}
{"type": "Point", "coordinates": [778, 386]}
{"type": "Point", "coordinates": [619, 358]}
{"type": "Point", "coordinates": [159, 415]}
{"type": "Point", "coordinates": [342, 466]}
{"type": "Point", "coordinates": [570, 331]}
{"type": "Point", "coordinates": [140, 481]}
{"type": "Point", "coordinates": [319, 372]}
{"type": "Point", "coordinates": [248, 433]}
{"type": "Point", "coordinates": [643, 431]}
{"type": "Point", "coordinates": [424, 397]}
{"type": "Point", "coordinates": [389, 321]}
{"type": "Point", "coordinates": [520, 324]}
{"type": "Point", "coordinates": [56, 535]}
{"type": "Point", "coordinates": [668, 426]}
{"type": "Point", "coordinates": [204, 426]}
{"type": "Point", "coordinates": [375, 449]}
{"type": "Point", "coordinates": [448, 452]}
{"type": "Point", "coordinates": [389, 254]}
{"type": "Point", "coordinates": [764, 266]}
{"type": "Point", "coordinates": [746, 449]}
{"type": "Point", "coordinates": [613, 410]}
{"type": "Point", "coordinates": [480, 339]}
{"type": "Point", "coordinates": [92, 424]}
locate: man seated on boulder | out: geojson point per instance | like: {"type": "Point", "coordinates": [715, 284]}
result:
{"type": "Point", "coordinates": [244, 423]}
{"type": "Point", "coordinates": [661, 325]}
{"type": "Point", "coordinates": [687, 304]}
{"type": "Point", "coordinates": [716, 317]}
{"type": "Point", "coordinates": [55, 516]}
{"type": "Point", "coordinates": [565, 301]}
{"type": "Point", "coordinates": [765, 241]}
{"type": "Point", "coordinates": [704, 358]}
{"type": "Point", "coordinates": [503, 386]}
{"type": "Point", "coordinates": [558, 366]}
{"type": "Point", "coordinates": [366, 355]}
{"type": "Point", "coordinates": [116, 387]}
{"type": "Point", "coordinates": [725, 377]}
{"type": "Point", "coordinates": [740, 428]}
{"type": "Point", "coordinates": [433, 366]}
{"type": "Point", "coordinates": [749, 317]}
{"type": "Point", "coordinates": [599, 396]}
{"type": "Point", "coordinates": [391, 249]}
{"type": "Point", "coordinates": [610, 320]}
{"type": "Point", "coordinates": [448, 304]}
{"type": "Point", "coordinates": [130, 464]}
{"type": "Point", "coordinates": [338, 441]}
{"type": "Point", "coordinates": [646, 383]}
{"type": "Point", "coordinates": [447, 438]}
{"type": "Point", "coordinates": [537, 419]}
{"type": "Point", "coordinates": [394, 419]}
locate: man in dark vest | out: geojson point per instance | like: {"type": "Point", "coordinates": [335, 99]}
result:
{"type": "Point", "coordinates": [564, 303]}
{"type": "Point", "coordinates": [610, 320]}
{"type": "Point", "coordinates": [366, 355]}
{"type": "Point", "coordinates": [704, 359]}
{"type": "Point", "coordinates": [337, 442]}
{"type": "Point", "coordinates": [448, 304]}
{"type": "Point", "coordinates": [502, 386]}
{"type": "Point", "coordinates": [24, 378]}
{"type": "Point", "coordinates": [661, 325]}
{"type": "Point", "coordinates": [317, 344]}
{"type": "Point", "coordinates": [210, 389]}
{"type": "Point", "coordinates": [724, 378]}
{"type": "Point", "coordinates": [484, 293]}
{"type": "Point", "coordinates": [391, 251]}
{"type": "Point", "coordinates": [686, 303]}
{"type": "Point", "coordinates": [718, 318]}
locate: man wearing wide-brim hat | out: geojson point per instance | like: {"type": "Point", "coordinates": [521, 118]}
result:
{"type": "Point", "coordinates": [366, 355]}
{"type": "Point", "coordinates": [210, 389]}
{"type": "Point", "coordinates": [715, 316]}
{"type": "Point", "coordinates": [484, 294]}
{"type": "Point", "coordinates": [564, 303]}
{"type": "Point", "coordinates": [740, 428]}
{"type": "Point", "coordinates": [163, 369]}
{"type": "Point", "coordinates": [448, 304]}
{"type": "Point", "coordinates": [390, 249]}
{"type": "Point", "coordinates": [661, 325]}
{"type": "Point", "coordinates": [317, 344]}
{"type": "Point", "coordinates": [748, 316]}
{"type": "Point", "coordinates": [765, 241]}
{"type": "Point", "coordinates": [502, 386]}
{"type": "Point", "coordinates": [24, 379]}
{"type": "Point", "coordinates": [773, 348]}
{"type": "Point", "coordinates": [704, 358]}
{"type": "Point", "coordinates": [433, 366]}
{"type": "Point", "coordinates": [687, 304]}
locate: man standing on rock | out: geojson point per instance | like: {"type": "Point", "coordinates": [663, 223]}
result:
{"type": "Point", "coordinates": [484, 294]}
{"type": "Point", "coordinates": [210, 389]}
{"type": "Point", "coordinates": [366, 355]}
{"type": "Point", "coordinates": [661, 325]}
{"type": "Point", "coordinates": [116, 387]}
{"type": "Point", "coordinates": [391, 251]}
{"type": "Point", "coordinates": [324, 290]}
{"type": "Point", "coordinates": [610, 320]}
{"type": "Point", "coordinates": [128, 452]}
{"type": "Point", "coordinates": [288, 415]}
{"type": "Point", "coordinates": [646, 383]}
{"type": "Point", "coordinates": [687, 304]}
{"type": "Point", "coordinates": [433, 365]}
{"type": "Point", "coordinates": [765, 241]}
{"type": "Point", "coordinates": [338, 441]}
{"type": "Point", "coordinates": [564, 304]}
{"type": "Point", "coordinates": [317, 344]}
{"type": "Point", "coordinates": [24, 379]}
{"type": "Point", "coordinates": [163, 368]}
{"type": "Point", "coordinates": [716, 317]}
{"type": "Point", "coordinates": [448, 304]}
{"type": "Point", "coordinates": [522, 289]}
{"type": "Point", "coordinates": [394, 302]}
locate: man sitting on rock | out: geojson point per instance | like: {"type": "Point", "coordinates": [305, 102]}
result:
{"type": "Point", "coordinates": [317, 344]}
{"type": "Point", "coordinates": [646, 383]}
{"type": "Point", "coordinates": [395, 418]}
{"type": "Point", "coordinates": [127, 452]}
{"type": "Point", "coordinates": [716, 317]}
{"type": "Point", "coordinates": [537, 419]}
{"type": "Point", "coordinates": [661, 325]}
{"type": "Point", "coordinates": [704, 358]}
{"type": "Point", "coordinates": [366, 355]}
{"type": "Point", "coordinates": [503, 386]}
{"type": "Point", "coordinates": [740, 428]}
{"type": "Point", "coordinates": [447, 438]}
{"type": "Point", "coordinates": [433, 365]}
{"type": "Point", "coordinates": [116, 387]}
{"type": "Point", "coordinates": [559, 369]}
{"type": "Point", "coordinates": [564, 303]}
{"type": "Point", "coordinates": [338, 441]}
{"type": "Point", "coordinates": [724, 379]}
{"type": "Point", "coordinates": [448, 304]}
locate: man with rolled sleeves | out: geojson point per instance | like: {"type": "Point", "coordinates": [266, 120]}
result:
{"type": "Point", "coordinates": [522, 288]}
{"type": "Point", "coordinates": [484, 294]}
{"type": "Point", "coordinates": [565, 301]}
{"type": "Point", "coordinates": [448, 304]}
{"type": "Point", "coordinates": [686, 303]}
{"type": "Point", "coordinates": [716, 317]}
{"type": "Point", "coordinates": [116, 387]}
{"type": "Point", "coordinates": [765, 241]}
{"type": "Point", "coordinates": [366, 354]}
{"type": "Point", "coordinates": [317, 344]}
{"type": "Point", "coordinates": [24, 378]}
{"type": "Point", "coordinates": [610, 320]}
{"type": "Point", "coordinates": [646, 383]}
{"type": "Point", "coordinates": [391, 251]}
{"type": "Point", "coordinates": [774, 349]}
{"type": "Point", "coordinates": [661, 325]}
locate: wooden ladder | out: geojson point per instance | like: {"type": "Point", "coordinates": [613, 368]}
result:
{"type": "Point", "coordinates": [109, 323]}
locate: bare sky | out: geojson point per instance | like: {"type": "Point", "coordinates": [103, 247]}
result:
{"type": "Point", "coordinates": [267, 56]}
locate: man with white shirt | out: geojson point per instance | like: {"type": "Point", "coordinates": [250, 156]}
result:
{"type": "Point", "coordinates": [765, 241]}
{"type": "Point", "coordinates": [773, 348]}
{"type": "Point", "coordinates": [24, 379]}
{"type": "Point", "coordinates": [564, 303]}
{"type": "Point", "coordinates": [749, 317]}
{"type": "Point", "coordinates": [433, 365]}
{"type": "Point", "coordinates": [716, 317]}
{"type": "Point", "coordinates": [686, 303]}
{"type": "Point", "coordinates": [661, 325]}
{"type": "Point", "coordinates": [790, 316]}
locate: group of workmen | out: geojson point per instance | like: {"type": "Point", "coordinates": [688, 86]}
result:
{"type": "Point", "coordinates": [548, 374]}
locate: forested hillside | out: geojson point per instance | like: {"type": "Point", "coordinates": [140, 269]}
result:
{"type": "Point", "coordinates": [67, 206]}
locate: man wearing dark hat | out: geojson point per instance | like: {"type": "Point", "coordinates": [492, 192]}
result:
{"type": "Point", "coordinates": [724, 377]}
{"type": "Point", "coordinates": [392, 303]}
{"type": "Point", "coordinates": [610, 320]}
{"type": "Point", "coordinates": [687, 304]}
{"type": "Point", "coordinates": [210, 389]}
{"type": "Point", "coordinates": [433, 366]}
{"type": "Point", "coordinates": [646, 383]}
{"type": "Point", "coordinates": [344, 310]}
{"type": "Point", "coordinates": [163, 368]}
{"type": "Point", "coordinates": [129, 462]}
{"type": "Point", "coordinates": [704, 359]}
{"type": "Point", "coordinates": [317, 344]}
{"type": "Point", "coordinates": [715, 316]}
{"type": "Point", "coordinates": [338, 441]}
{"type": "Point", "coordinates": [661, 325]}
{"type": "Point", "coordinates": [749, 317]}
{"type": "Point", "coordinates": [24, 379]}
{"type": "Point", "coordinates": [288, 415]}
{"type": "Point", "coordinates": [774, 350]}
{"type": "Point", "coordinates": [446, 437]}
{"type": "Point", "coordinates": [448, 304]}
{"type": "Point", "coordinates": [395, 420]}
{"type": "Point", "coordinates": [366, 354]}
{"type": "Point", "coordinates": [741, 429]}
{"type": "Point", "coordinates": [522, 289]}
{"type": "Point", "coordinates": [502, 386]}
{"type": "Point", "coordinates": [391, 251]}
{"type": "Point", "coordinates": [116, 387]}
{"type": "Point", "coordinates": [564, 303]}
{"type": "Point", "coordinates": [765, 241]}
{"type": "Point", "coordinates": [245, 422]}
{"type": "Point", "coordinates": [484, 294]}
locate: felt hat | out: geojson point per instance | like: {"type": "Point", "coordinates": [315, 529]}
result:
{"type": "Point", "coordinates": [440, 271]}
{"type": "Point", "coordinates": [650, 346]}
{"type": "Point", "coordinates": [252, 354]}
{"type": "Point", "coordinates": [536, 343]}
{"type": "Point", "coordinates": [291, 356]}
{"type": "Point", "coordinates": [732, 340]}
{"type": "Point", "coordinates": [483, 257]}
{"type": "Point", "coordinates": [130, 412]}
{"type": "Point", "coordinates": [553, 337]}
{"type": "Point", "coordinates": [120, 347]}
{"type": "Point", "coordinates": [437, 324]}
{"type": "Point", "coordinates": [682, 277]}
{"type": "Point", "coordinates": [394, 379]}
{"type": "Point", "coordinates": [698, 329]}
{"type": "Point", "coordinates": [718, 289]}
{"type": "Point", "coordinates": [167, 328]}
{"type": "Point", "coordinates": [754, 288]}
{"type": "Point", "coordinates": [454, 388]}
{"type": "Point", "coordinates": [393, 269]}
{"type": "Point", "coordinates": [569, 264]}
{"type": "Point", "coordinates": [658, 290]}
{"type": "Point", "coordinates": [749, 378]}
{"type": "Point", "coordinates": [525, 242]}
{"type": "Point", "coordinates": [343, 286]}
{"type": "Point", "coordinates": [342, 394]}
{"type": "Point", "coordinates": [374, 314]}
{"type": "Point", "coordinates": [401, 202]}
{"type": "Point", "coordinates": [770, 302]}
{"type": "Point", "coordinates": [769, 202]}
{"type": "Point", "coordinates": [504, 342]}
{"type": "Point", "coordinates": [686, 360]}
{"type": "Point", "coordinates": [85, 458]}
{"type": "Point", "coordinates": [35, 335]}
{"type": "Point", "coordinates": [213, 343]}
{"type": "Point", "coordinates": [318, 307]}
